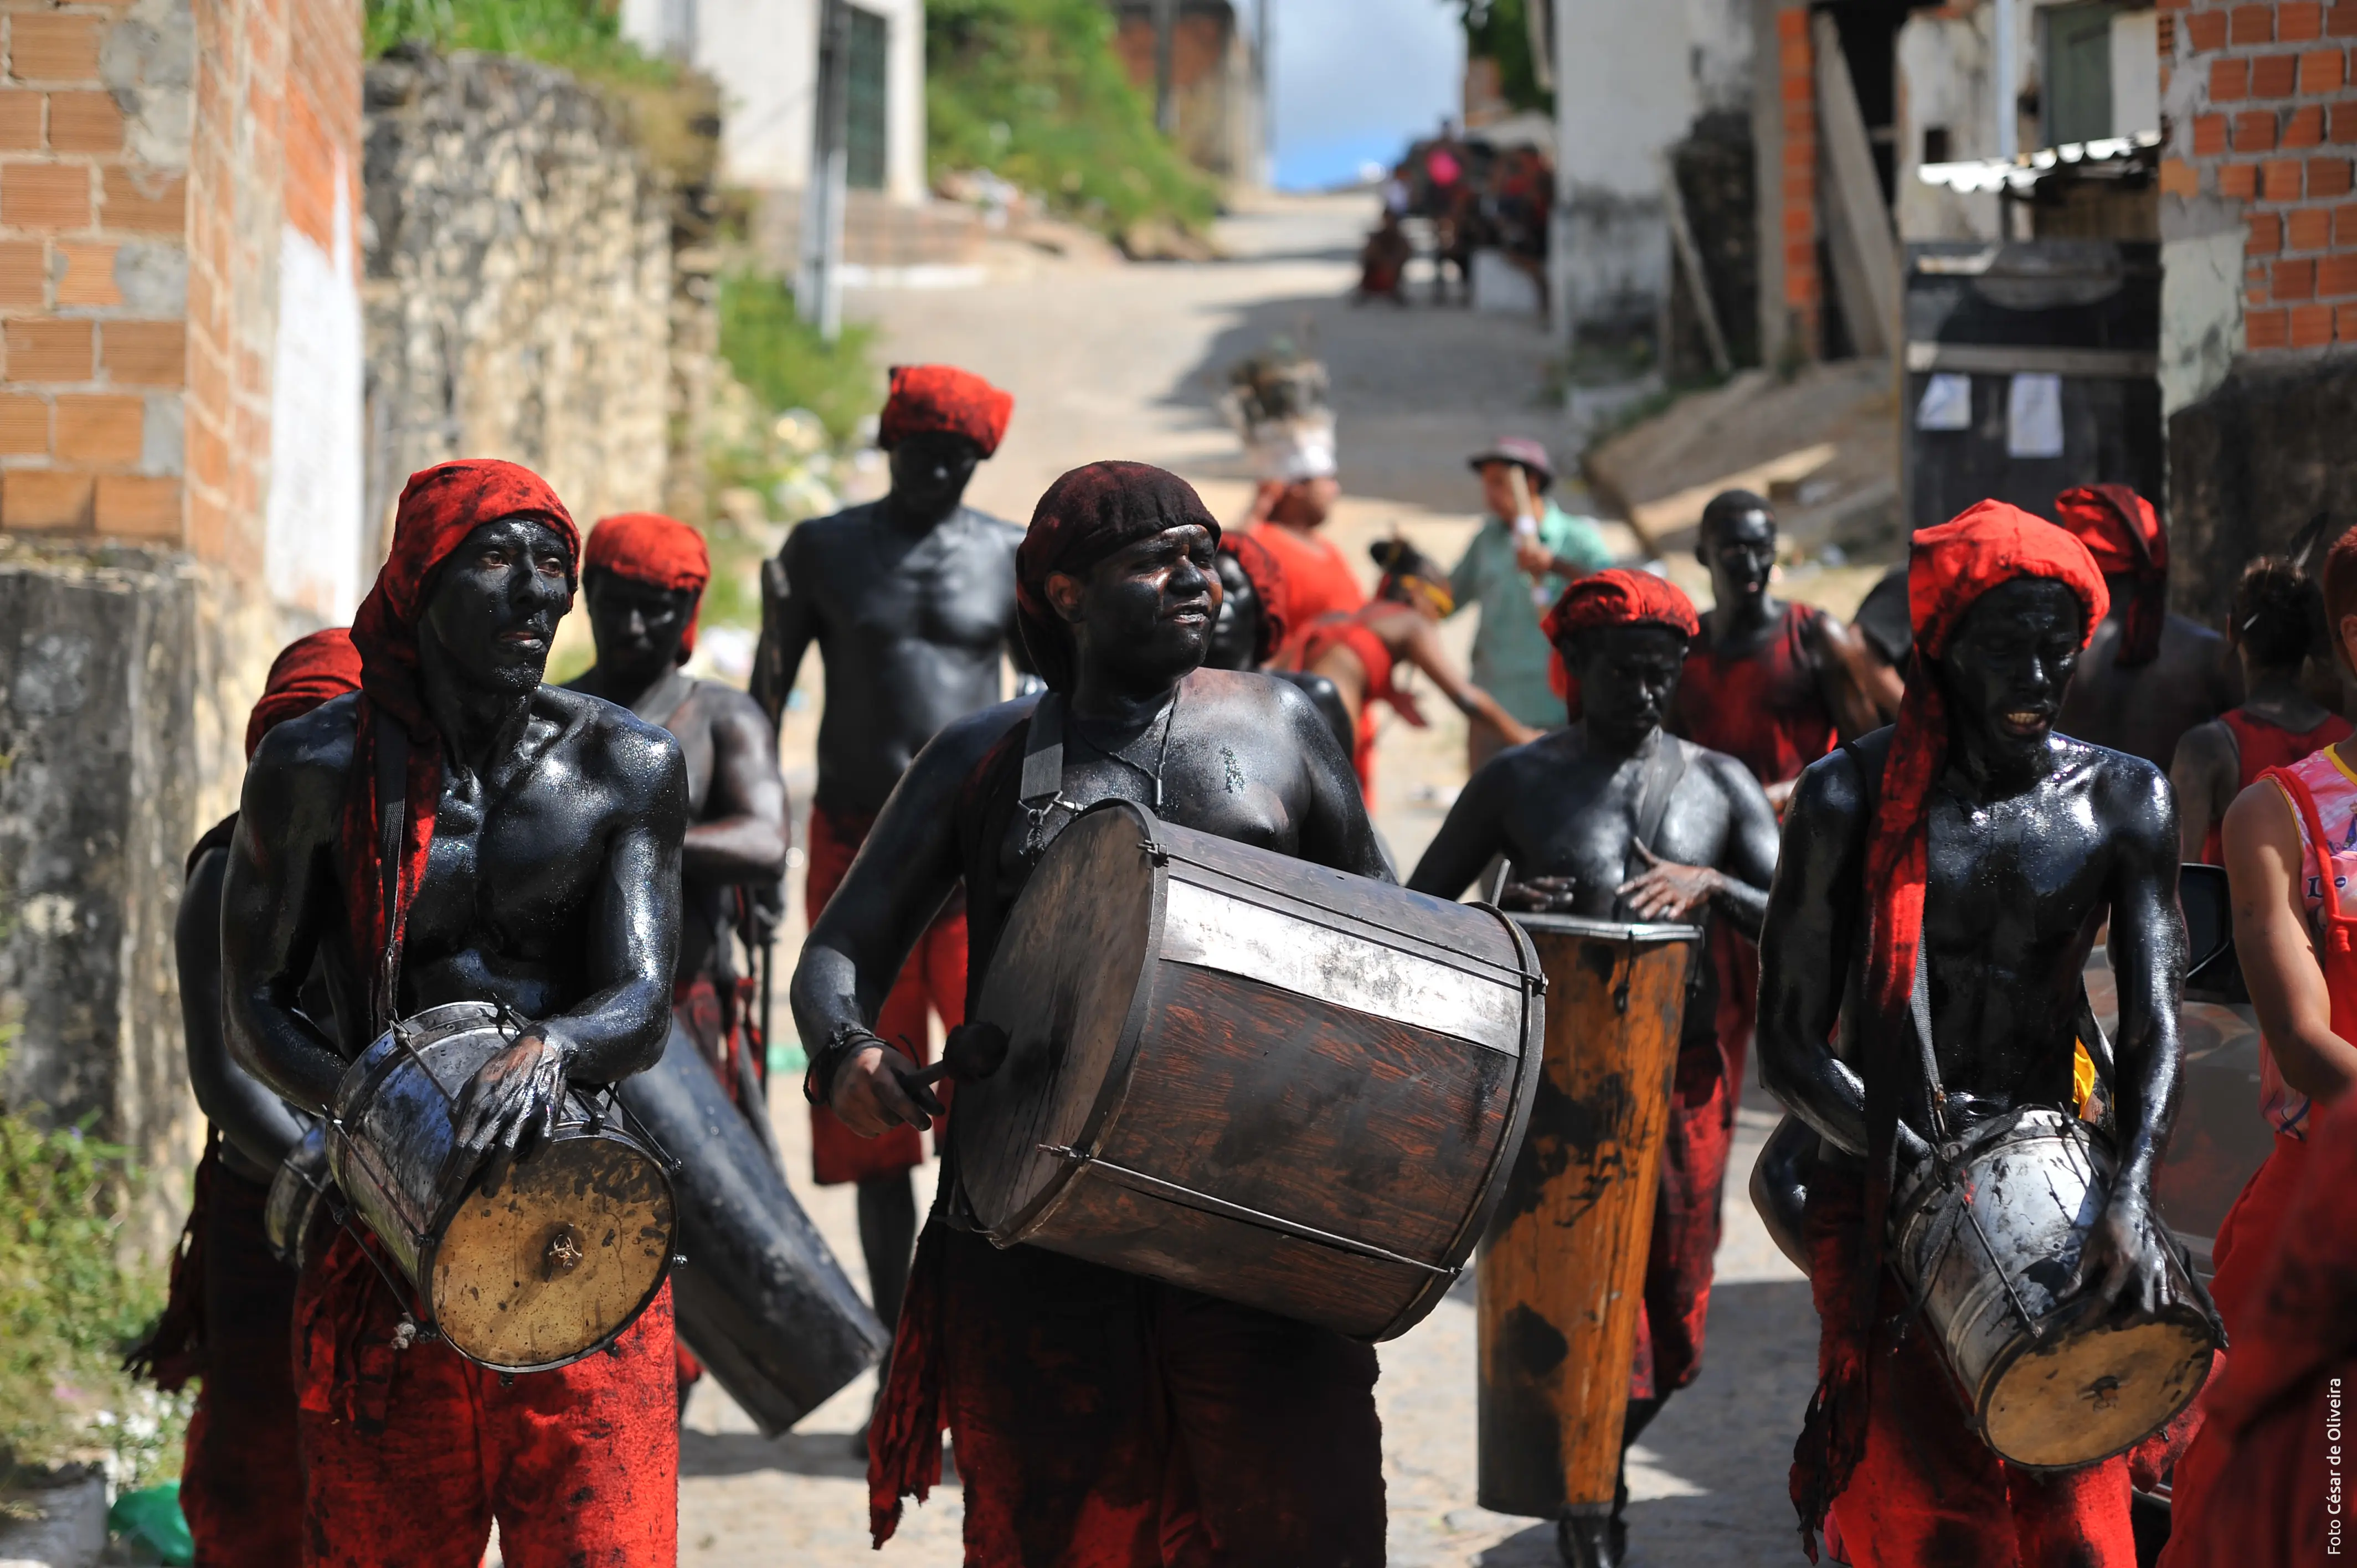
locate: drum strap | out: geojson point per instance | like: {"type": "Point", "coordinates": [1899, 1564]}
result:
{"type": "Point", "coordinates": [1663, 768]}
{"type": "Point", "coordinates": [392, 830]}
{"type": "Point", "coordinates": [1043, 787]}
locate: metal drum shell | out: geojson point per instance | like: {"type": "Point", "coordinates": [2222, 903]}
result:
{"type": "Point", "coordinates": [297, 1188]}
{"type": "Point", "coordinates": [410, 1202]}
{"type": "Point", "coordinates": [1563, 1264]}
{"type": "Point", "coordinates": [1184, 1099]}
{"type": "Point", "coordinates": [2062, 1173]}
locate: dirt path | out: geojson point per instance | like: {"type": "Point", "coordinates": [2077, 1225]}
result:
{"type": "Point", "coordinates": [1125, 362]}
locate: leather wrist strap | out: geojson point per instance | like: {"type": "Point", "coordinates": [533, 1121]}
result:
{"type": "Point", "coordinates": [826, 1062]}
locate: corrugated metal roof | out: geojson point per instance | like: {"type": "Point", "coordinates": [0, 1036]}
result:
{"type": "Point", "coordinates": [1974, 176]}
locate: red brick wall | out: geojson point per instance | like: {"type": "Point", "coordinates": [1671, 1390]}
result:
{"type": "Point", "coordinates": [2273, 132]}
{"type": "Point", "coordinates": [128, 409]}
{"type": "Point", "coordinates": [1796, 71]}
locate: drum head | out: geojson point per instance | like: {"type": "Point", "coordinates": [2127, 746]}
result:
{"type": "Point", "coordinates": [2095, 1392]}
{"type": "Point", "coordinates": [560, 1261]}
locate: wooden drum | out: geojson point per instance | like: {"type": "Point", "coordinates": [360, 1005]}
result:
{"type": "Point", "coordinates": [556, 1264]}
{"type": "Point", "coordinates": [1248, 1075]}
{"type": "Point", "coordinates": [1563, 1268]}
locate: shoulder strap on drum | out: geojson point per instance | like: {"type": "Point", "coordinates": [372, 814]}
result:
{"type": "Point", "coordinates": [1663, 771]}
{"type": "Point", "coordinates": [1043, 753]}
{"type": "Point", "coordinates": [393, 831]}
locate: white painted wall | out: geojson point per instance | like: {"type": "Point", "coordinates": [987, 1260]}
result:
{"type": "Point", "coordinates": [764, 54]}
{"type": "Point", "coordinates": [1944, 68]}
{"type": "Point", "coordinates": [312, 537]}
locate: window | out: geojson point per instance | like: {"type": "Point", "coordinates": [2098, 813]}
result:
{"type": "Point", "coordinates": [2076, 77]}
{"type": "Point", "coordinates": [864, 132]}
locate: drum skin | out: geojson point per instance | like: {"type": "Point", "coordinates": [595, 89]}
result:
{"type": "Point", "coordinates": [2048, 1389]}
{"type": "Point", "coordinates": [553, 1267]}
{"type": "Point", "coordinates": [1258, 1078]}
{"type": "Point", "coordinates": [757, 1294]}
{"type": "Point", "coordinates": [1563, 1268]}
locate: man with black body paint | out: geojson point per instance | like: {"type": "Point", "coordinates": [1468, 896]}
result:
{"type": "Point", "coordinates": [911, 603]}
{"type": "Point", "coordinates": [1094, 1411]}
{"type": "Point", "coordinates": [2008, 847]}
{"type": "Point", "coordinates": [538, 869]}
{"type": "Point", "coordinates": [1565, 812]}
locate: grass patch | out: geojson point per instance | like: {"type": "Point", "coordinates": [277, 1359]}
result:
{"type": "Point", "coordinates": [785, 364]}
{"type": "Point", "coordinates": [580, 36]}
{"type": "Point", "coordinates": [1032, 91]}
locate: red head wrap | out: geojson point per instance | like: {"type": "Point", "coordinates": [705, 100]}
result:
{"type": "Point", "coordinates": [1266, 574]}
{"type": "Point", "coordinates": [658, 550]}
{"type": "Point", "coordinates": [307, 671]}
{"type": "Point", "coordinates": [1085, 516]}
{"type": "Point", "coordinates": [439, 507]}
{"type": "Point", "coordinates": [1617, 597]}
{"type": "Point", "coordinates": [2123, 533]}
{"type": "Point", "coordinates": [929, 399]}
{"type": "Point", "coordinates": [1951, 566]}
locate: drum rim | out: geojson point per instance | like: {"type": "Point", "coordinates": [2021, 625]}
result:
{"type": "Point", "coordinates": [1654, 932]}
{"type": "Point", "coordinates": [2178, 1311]}
{"type": "Point", "coordinates": [603, 1129]}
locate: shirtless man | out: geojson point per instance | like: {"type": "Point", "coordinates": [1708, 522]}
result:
{"type": "Point", "coordinates": [2148, 675]}
{"type": "Point", "coordinates": [1565, 811]}
{"type": "Point", "coordinates": [912, 602]}
{"type": "Point", "coordinates": [643, 578]}
{"type": "Point", "coordinates": [1097, 1414]}
{"type": "Point", "coordinates": [459, 831]}
{"type": "Point", "coordinates": [2006, 846]}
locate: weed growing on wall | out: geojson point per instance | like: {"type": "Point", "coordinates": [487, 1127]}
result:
{"type": "Point", "coordinates": [580, 36]}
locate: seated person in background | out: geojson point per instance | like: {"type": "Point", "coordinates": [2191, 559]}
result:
{"type": "Point", "coordinates": [1382, 261]}
{"type": "Point", "coordinates": [2279, 621]}
{"type": "Point", "coordinates": [1361, 652]}
{"type": "Point", "coordinates": [2148, 675]}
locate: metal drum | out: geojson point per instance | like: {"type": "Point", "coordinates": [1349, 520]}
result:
{"type": "Point", "coordinates": [1255, 1077]}
{"type": "Point", "coordinates": [1563, 1269]}
{"type": "Point", "coordinates": [757, 1296]}
{"type": "Point", "coordinates": [297, 1190]}
{"type": "Point", "coordinates": [556, 1266]}
{"type": "Point", "coordinates": [2050, 1387]}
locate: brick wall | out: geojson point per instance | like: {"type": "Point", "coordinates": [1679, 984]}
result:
{"type": "Point", "coordinates": [2265, 125]}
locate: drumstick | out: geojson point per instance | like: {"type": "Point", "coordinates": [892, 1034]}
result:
{"type": "Point", "coordinates": [972, 1052]}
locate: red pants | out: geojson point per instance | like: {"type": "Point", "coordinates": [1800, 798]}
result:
{"type": "Point", "coordinates": [932, 981]}
{"type": "Point", "coordinates": [719, 1022]}
{"type": "Point", "coordinates": [1686, 1223]}
{"type": "Point", "coordinates": [241, 1487]}
{"type": "Point", "coordinates": [410, 1454]}
{"type": "Point", "coordinates": [1104, 1421]}
{"type": "Point", "coordinates": [1928, 1493]}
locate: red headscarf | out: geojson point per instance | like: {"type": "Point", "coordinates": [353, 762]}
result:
{"type": "Point", "coordinates": [927, 399]}
{"type": "Point", "coordinates": [439, 507]}
{"type": "Point", "coordinates": [1266, 574]}
{"type": "Point", "coordinates": [1617, 597]}
{"type": "Point", "coordinates": [2123, 533]}
{"type": "Point", "coordinates": [1086, 516]}
{"type": "Point", "coordinates": [1949, 568]}
{"type": "Point", "coordinates": [307, 671]}
{"type": "Point", "coordinates": [660, 552]}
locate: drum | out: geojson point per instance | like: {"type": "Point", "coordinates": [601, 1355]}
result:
{"type": "Point", "coordinates": [560, 1261]}
{"type": "Point", "coordinates": [757, 1295]}
{"type": "Point", "coordinates": [297, 1191]}
{"type": "Point", "coordinates": [1258, 1078]}
{"type": "Point", "coordinates": [2049, 1386]}
{"type": "Point", "coordinates": [1563, 1269]}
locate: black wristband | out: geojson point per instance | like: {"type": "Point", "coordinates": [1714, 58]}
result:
{"type": "Point", "coordinates": [849, 1039]}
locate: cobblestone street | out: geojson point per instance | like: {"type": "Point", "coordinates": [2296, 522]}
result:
{"type": "Point", "coordinates": [1124, 362]}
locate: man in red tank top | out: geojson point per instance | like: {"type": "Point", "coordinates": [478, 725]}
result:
{"type": "Point", "coordinates": [2277, 622]}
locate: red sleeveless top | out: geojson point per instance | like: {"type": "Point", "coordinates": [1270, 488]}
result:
{"type": "Point", "coordinates": [1317, 577]}
{"type": "Point", "coordinates": [1764, 708]}
{"type": "Point", "coordinates": [2262, 746]}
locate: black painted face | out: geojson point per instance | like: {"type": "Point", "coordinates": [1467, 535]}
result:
{"type": "Point", "coordinates": [638, 628]}
{"type": "Point", "coordinates": [496, 601]}
{"type": "Point", "coordinates": [2005, 671]}
{"type": "Point", "coordinates": [932, 471]}
{"type": "Point", "coordinates": [1146, 612]}
{"type": "Point", "coordinates": [1235, 635]}
{"type": "Point", "coordinates": [1627, 676]}
{"type": "Point", "coordinates": [1740, 552]}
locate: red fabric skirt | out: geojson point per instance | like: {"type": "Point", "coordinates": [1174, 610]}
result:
{"type": "Point", "coordinates": [1106, 1421]}
{"type": "Point", "coordinates": [932, 982]}
{"type": "Point", "coordinates": [1686, 1223]}
{"type": "Point", "coordinates": [1928, 1493]}
{"type": "Point", "coordinates": [409, 1455]}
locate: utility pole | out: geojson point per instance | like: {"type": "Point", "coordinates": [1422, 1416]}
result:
{"type": "Point", "coordinates": [819, 294]}
{"type": "Point", "coordinates": [1267, 78]}
{"type": "Point", "coordinates": [1166, 40]}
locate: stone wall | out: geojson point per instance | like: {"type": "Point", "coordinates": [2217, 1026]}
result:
{"type": "Point", "coordinates": [518, 290]}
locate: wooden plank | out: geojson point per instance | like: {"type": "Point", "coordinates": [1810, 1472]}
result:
{"type": "Point", "coordinates": [1697, 280]}
{"type": "Point", "coordinates": [1866, 260]}
{"type": "Point", "coordinates": [2024, 359]}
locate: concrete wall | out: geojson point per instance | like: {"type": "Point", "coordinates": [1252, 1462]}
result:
{"type": "Point", "coordinates": [519, 282]}
{"type": "Point", "coordinates": [764, 54]}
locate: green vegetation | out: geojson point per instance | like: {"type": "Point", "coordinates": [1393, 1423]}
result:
{"type": "Point", "coordinates": [1032, 91]}
{"type": "Point", "coordinates": [1500, 30]}
{"type": "Point", "coordinates": [584, 37]}
{"type": "Point", "coordinates": [783, 361]}
{"type": "Point", "coordinates": [69, 1306]}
